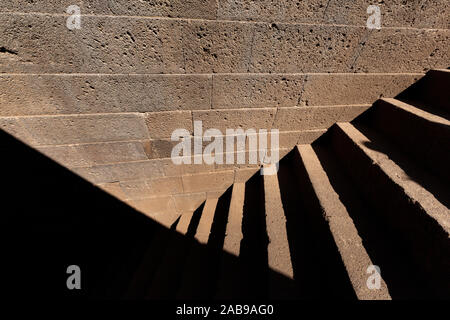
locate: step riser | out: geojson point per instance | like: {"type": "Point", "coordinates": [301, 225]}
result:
{"type": "Point", "coordinates": [431, 90]}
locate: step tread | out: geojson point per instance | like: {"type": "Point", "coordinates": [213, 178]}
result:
{"type": "Point", "coordinates": [345, 234]}
{"type": "Point", "coordinates": [279, 254]}
{"type": "Point", "coordinates": [414, 191]}
{"type": "Point", "coordinates": [234, 235]}
{"type": "Point", "coordinates": [183, 223]}
{"type": "Point", "coordinates": [206, 220]}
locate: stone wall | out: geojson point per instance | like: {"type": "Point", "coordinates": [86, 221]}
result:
{"type": "Point", "coordinates": [104, 99]}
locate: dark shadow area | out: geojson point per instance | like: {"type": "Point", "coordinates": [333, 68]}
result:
{"type": "Point", "coordinates": [55, 219]}
{"type": "Point", "coordinates": [253, 249]}
{"type": "Point", "coordinates": [168, 276]}
{"type": "Point", "coordinates": [430, 93]}
{"type": "Point", "coordinates": [318, 267]}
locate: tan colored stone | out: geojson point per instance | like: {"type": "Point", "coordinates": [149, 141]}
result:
{"type": "Point", "coordinates": [200, 9]}
{"type": "Point", "coordinates": [103, 45]}
{"type": "Point", "coordinates": [404, 50]}
{"type": "Point", "coordinates": [57, 130]}
{"type": "Point", "coordinates": [234, 119]}
{"type": "Point", "coordinates": [273, 10]}
{"type": "Point", "coordinates": [70, 94]}
{"type": "Point", "coordinates": [137, 189]}
{"type": "Point", "coordinates": [53, 6]}
{"type": "Point", "coordinates": [113, 189]}
{"type": "Point", "coordinates": [304, 48]}
{"type": "Point", "coordinates": [394, 13]}
{"type": "Point", "coordinates": [256, 91]}
{"type": "Point", "coordinates": [242, 175]}
{"type": "Point", "coordinates": [83, 155]}
{"type": "Point", "coordinates": [162, 124]}
{"type": "Point", "coordinates": [189, 201]}
{"type": "Point", "coordinates": [217, 47]}
{"type": "Point", "coordinates": [150, 169]}
{"type": "Point", "coordinates": [167, 219]}
{"type": "Point", "coordinates": [358, 88]}
{"type": "Point", "coordinates": [154, 206]}
{"type": "Point", "coordinates": [307, 118]}
{"type": "Point", "coordinates": [208, 181]}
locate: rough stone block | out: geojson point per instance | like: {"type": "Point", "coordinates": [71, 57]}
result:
{"type": "Point", "coordinates": [256, 91]}
{"type": "Point", "coordinates": [359, 88]}
{"type": "Point", "coordinates": [137, 189]}
{"type": "Point", "coordinates": [58, 130]}
{"type": "Point", "coordinates": [304, 48]}
{"type": "Point", "coordinates": [70, 94]}
{"type": "Point", "coordinates": [234, 119]}
{"type": "Point", "coordinates": [113, 189]}
{"type": "Point", "coordinates": [217, 47]}
{"type": "Point", "coordinates": [83, 155]}
{"type": "Point", "coordinates": [189, 201]}
{"type": "Point", "coordinates": [150, 169]}
{"type": "Point", "coordinates": [162, 124]}
{"type": "Point", "coordinates": [404, 50]}
{"type": "Point", "coordinates": [272, 10]}
{"type": "Point", "coordinates": [43, 44]}
{"type": "Point", "coordinates": [199, 9]}
{"type": "Point", "coordinates": [154, 206]}
{"type": "Point", "coordinates": [394, 13]}
{"type": "Point", "coordinates": [53, 6]}
{"type": "Point", "coordinates": [208, 181]}
{"type": "Point", "coordinates": [307, 118]}
{"type": "Point", "coordinates": [242, 175]}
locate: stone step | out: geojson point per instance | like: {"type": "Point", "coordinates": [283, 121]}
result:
{"type": "Point", "coordinates": [228, 285]}
{"type": "Point", "coordinates": [343, 230]}
{"type": "Point", "coordinates": [279, 255]}
{"type": "Point", "coordinates": [426, 231]}
{"type": "Point", "coordinates": [419, 133]}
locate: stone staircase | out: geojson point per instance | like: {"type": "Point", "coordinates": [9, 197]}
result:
{"type": "Point", "coordinates": [371, 192]}
{"type": "Point", "coordinates": [86, 119]}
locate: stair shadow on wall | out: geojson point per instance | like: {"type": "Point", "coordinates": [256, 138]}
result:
{"type": "Point", "coordinates": [55, 219]}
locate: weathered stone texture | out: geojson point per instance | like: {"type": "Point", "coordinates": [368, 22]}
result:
{"type": "Point", "coordinates": [150, 169]}
{"type": "Point", "coordinates": [304, 48]}
{"type": "Point", "coordinates": [162, 124]}
{"type": "Point", "coordinates": [208, 181]}
{"type": "Point", "coordinates": [73, 94]}
{"type": "Point", "coordinates": [306, 118]}
{"type": "Point", "coordinates": [396, 50]}
{"type": "Point", "coordinates": [359, 88]}
{"type": "Point", "coordinates": [217, 47]}
{"type": "Point", "coordinates": [394, 13]}
{"type": "Point", "coordinates": [58, 130]}
{"type": "Point", "coordinates": [256, 91]}
{"type": "Point", "coordinates": [103, 45]}
{"type": "Point", "coordinates": [272, 10]}
{"type": "Point", "coordinates": [234, 119]}
{"type": "Point", "coordinates": [83, 155]}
